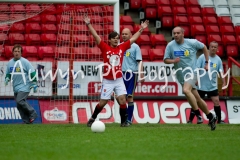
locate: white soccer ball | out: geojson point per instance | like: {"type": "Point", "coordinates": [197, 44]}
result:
{"type": "Point", "coordinates": [98, 127]}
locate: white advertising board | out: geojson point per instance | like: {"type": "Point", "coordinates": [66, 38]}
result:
{"type": "Point", "coordinates": [88, 82]}
{"type": "Point", "coordinates": [233, 107]}
{"type": "Point", "coordinates": [45, 85]}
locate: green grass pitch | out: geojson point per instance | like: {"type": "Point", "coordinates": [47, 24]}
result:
{"type": "Point", "coordinates": [140, 142]}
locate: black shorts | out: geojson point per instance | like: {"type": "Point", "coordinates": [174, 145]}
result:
{"type": "Point", "coordinates": [209, 93]}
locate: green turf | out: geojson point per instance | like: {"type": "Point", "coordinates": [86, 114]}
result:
{"type": "Point", "coordinates": [140, 141]}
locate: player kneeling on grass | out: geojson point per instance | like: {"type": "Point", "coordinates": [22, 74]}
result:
{"type": "Point", "coordinates": [112, 78]}
{"type": "Point", "coordinates": [210, 86]}
{"type": "Point", "coordinates": [18, 69]}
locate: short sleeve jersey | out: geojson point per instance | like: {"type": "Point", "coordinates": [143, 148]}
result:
{"type": "Point", "coordinates": [216, 66]}
{"type": "Point", "coordinates": [113, 57]}
{"type": "Point", "coordinates": [23, 65]}
{"type": "Point", "coordinates": [131, 56]}
{"type": "Point", "coordinates": [187, 54]}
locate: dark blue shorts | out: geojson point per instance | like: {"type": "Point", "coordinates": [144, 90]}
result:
{"type": "Point", "coordinates": [130, 83]}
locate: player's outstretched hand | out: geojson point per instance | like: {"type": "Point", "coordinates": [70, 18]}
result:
{"type": "Point", "coordinates": [145, 24]}
{"type": "Point", "coordinates": [86, 19]}
{"type": "Point", "coordinates": [34, 86]}
{"type": "Point", "coordinates": [6, 81]}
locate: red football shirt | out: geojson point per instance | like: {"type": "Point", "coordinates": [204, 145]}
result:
{"type": "Point", "coordinates": [113, 57]}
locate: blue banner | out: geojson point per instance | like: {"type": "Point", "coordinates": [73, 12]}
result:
{"type": "Point", "coordinates": [9, 112]}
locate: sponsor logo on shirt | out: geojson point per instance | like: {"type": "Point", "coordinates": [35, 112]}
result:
{"type": "Point", "coordinates": [186, 53]}
{"type": "Point", "coordinates": [17, 69]}
{"type": "Point", "coordinates": [214, 65]}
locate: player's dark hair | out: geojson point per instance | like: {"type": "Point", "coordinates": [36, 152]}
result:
{"type": "Point", "coordinates": [17, 46]}
{"type": "Point", "coordinates": [113, 35]}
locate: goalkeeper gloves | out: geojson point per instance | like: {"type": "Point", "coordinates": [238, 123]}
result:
{"type": "Point", "coordinates": [34, 86]}
{"type": "Point", "coordinates": [6, 81]}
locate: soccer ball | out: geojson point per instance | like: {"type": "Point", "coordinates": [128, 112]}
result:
{"type": "Point", "coordinates": [98, 127]}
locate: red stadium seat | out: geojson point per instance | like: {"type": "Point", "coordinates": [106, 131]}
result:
{"type": "Point", "coordinates": [46, 18]}
{"type": "Point", "coordinates": [164, 11]}
{"type": "Point", "coordinates": [4, 17]}
{"type": "Point", "coordinates": [162, 47]}
{"type": "Point", "coordinates": [130, 27]}
{"type": "Point", "coordinates": [50, 9]}
{"type": "Point", "coordinates": [63, 52]}
{"type": "Point", "coordinates": [167, 22]}
{"type": "Point", "coordinates": [194, 11]}
{"type": "Point", "coordinates": [33, 8]}
{"type": "Point", "coordinates": [212, 29]}
{"type": "Point", "coordinates": [30, 51]}
{"type": "Point", "coordinates": [4, 39]}
{"type": "Point", "coordinates": [48, 39]}
{"type": "Point", "coordinates": [94, 54]}
{"type": "Point", "coordinates": [229, 39]}
{"type": "Point", "coordinates": [145, 55]}
{"type": "Point", "coordinates": [108, 20]}
{"type": "Point", "coordinates": [232, 50]}
{"type": "Point", "coordinates": [65, 19]}
{"type": "Point", "coordinates": [178, 3]}
{"type": "Point", "coordinates": [220, 51]}
{"type": "Point", "coordinates": [8, 51]}
{"type": "Point", "coordinates": [135, 4]}
{"type": "Point", "coordinates": [62, 7]}
{"type": "Point", "coordinates": [80, 29]}
{"type": "Point", "coordinates": [107, 10]}
{"type": "Point", "coordinates": [46, 51]}
{"type": "Point", "coordinates": [17, 7]}
{"type": "Point", "coordinates": [227, 30]}
{"type": "Point", "coordinates": [49, 28]}
{"type": "Point", "coordinates": [35, 18]}
{"type": "Point", "coordinates": [17, 28]}
{"type": "Point", "coordinates": [190, 3]}
{"type": "Point", "coordinates": [197, 30]}
{"type": "Point", "coordinates": [80, 53]}
{"type": "Point", "coordinates": [195, 20]}
{"type": "Point", "coordinates": [209, 11]}
{"type": "Point", "coordinates": [163, 2]}
{"type": "Point", "coordinates": [16, 38]}
{"type": "Point", "coordinates": [126, 20]}
{"type": "Point", "coordinates": [4, 28]}
{"type": "Point", "coordinates": [64, 38]}
{"type": "Point", "coordinates": [145, 31]}
{"type": "Point", "coordinates": [95, 9]}
{"type": "Point", "coordinates": [186, 29]}
{"type": "Point", "coordinates": [145, 46]}
{"type": "Point", "coordinates": [143, 40]}
{"type": "Point", "coordinates": [80, 39]}
{"type": "Point", "coordinates": [98, 28]}
{"type": "Point", "coordinates": [32, 39]}
{"type": "Point", "coordinates": [158, 39]}
{"type": "Point", "coordinates": [64, 28]}
{"type": "Point", "coordinates": [237, 30]}
{"type": "Point", "coordinates": [179, 10]}
{"type": "Point", "coordinates": [33, 28]}
{"type": "Point", "coordinates": [148, 3]}
{"type": "Point", "coordinates": [209, 20]}
{"type": "Point", "coordinates": [216, 38]}
{"type": "Point", "coordinates": [14, 16]}
{"type": "Point", "coordinates": [180, 20]}
{"type": "Point", "coordinates": [96, 18]}
{"type": "Point", "coordinates": [4, 7]}
{"type": "Point", "coordinates": [201, 38]}
{"type": "Point", "coordinates": [156, 54]}
{"type": "Point", "coordinates": [238, 40]}
{"type": "Point", "coordinates": [108, 29]}
{"type": "Point", "coordinates": [150, 13]}
{"type": "Point", "coordinates": [224, 20]}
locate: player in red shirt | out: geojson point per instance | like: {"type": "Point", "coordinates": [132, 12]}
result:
{"type": "Point", "coordinates": [112, 79]}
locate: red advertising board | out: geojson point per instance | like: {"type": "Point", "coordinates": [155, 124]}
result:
{"type": "Point", "coordinates": [146, 111]}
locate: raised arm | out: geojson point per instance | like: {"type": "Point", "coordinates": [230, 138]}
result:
{"type": "Point", "coordinates": [139, 32]}
{"type": "Point", "coordinates": [91, 29]}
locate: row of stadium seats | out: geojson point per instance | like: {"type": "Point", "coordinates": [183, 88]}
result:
{"type": "Point", "coordinates": [55, 8]}
{"type": "Point", "coordinates": [50, 52]}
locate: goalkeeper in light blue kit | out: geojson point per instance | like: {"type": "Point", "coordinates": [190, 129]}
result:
{"type": "Point", "coordinates": [210, 86]}
{"type": "Point", "coordinates": [182, 53]}
{"type": "Point", "coordinates": [18, 70]}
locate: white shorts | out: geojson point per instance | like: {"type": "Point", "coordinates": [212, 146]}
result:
{"type": "Point", "coordinates": [108, 86]}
